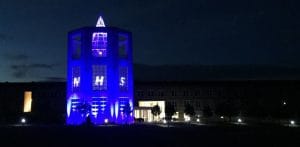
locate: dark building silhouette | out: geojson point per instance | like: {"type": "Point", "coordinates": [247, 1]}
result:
{"type": "Point", "coordinates": [47, 106]}
{"type": "Point", "coordinates": [261, 99]}
{"type": "Point", "coordinates": [246, 97]}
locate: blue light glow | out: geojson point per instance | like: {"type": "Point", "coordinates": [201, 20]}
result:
{"type": "Point", "coordinates": [69, 106]}
{"type": "Point", "coordinates": [100, 75]}
{"type": "Point", "coordinates": [117, 109]}
{"type": "Point", "coordinates": [99, 44]}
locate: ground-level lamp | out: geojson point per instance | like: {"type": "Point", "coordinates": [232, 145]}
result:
{"type": "Point", "coordinates": [239, 120]}
{"type": "Point", "coordinates": [292, 122]}
{"type": "Point", "coordinates": [23, 120]}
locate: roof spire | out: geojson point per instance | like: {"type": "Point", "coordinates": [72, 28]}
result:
{"type": "Point", "coordinates": [100, 22]}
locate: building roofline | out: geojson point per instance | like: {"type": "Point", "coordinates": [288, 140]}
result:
{"type": "Point", "coordinates": [93, 27]}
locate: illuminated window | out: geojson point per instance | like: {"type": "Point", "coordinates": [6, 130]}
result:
{"type": "Point", "coordinates": [99, 44]}
{"type": "Point", "coordinates": [123, 78]}
{"type": "Point", "coordinates": [73, 104]}
{"type": "Point", "coordinates": [123, 102]}
{"type": "Point", "coordinates": [151, 104]}
{"type": "Point", "coordinates": [99, 77]}
{"type": "Point", "coordinates": [99, 105]}
{"type": "Point", "coordinates": [76, 46]}
{"type": "Point", "coordinates": [27, 101]}
{"type": "Point", "coordinates": [123, 45]}
{"type": "Point", "coordinates": [75, 78]}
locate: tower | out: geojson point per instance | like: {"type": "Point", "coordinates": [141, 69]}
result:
{"type": "Point", "coordinates": [99, 75]}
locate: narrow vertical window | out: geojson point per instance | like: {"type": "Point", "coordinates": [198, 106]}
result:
{"type": "Point", "coordinates": [76, 46]}
{"type": "Point", "coordinates": [99, 44]}
{"type": "Point", "coordinates": [123, 101]}
{"type": "Point", "coordinates": [27, 101]}
{"type": "Point", "coordinates": [99, 104]}
{"type": "Point", "coordinates": [76, 78]}
{"type": "Point", "coordinates": [123, 78]}
{"type": "Point", "coordinates": [123, 45]}
{"type": "Point", "coordinates": [99, 77]}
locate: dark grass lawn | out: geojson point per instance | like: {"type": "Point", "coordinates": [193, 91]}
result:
{"type": "Point", "coordinates": [149, 135]}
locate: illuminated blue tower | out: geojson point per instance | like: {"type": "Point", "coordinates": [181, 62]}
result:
{"type": "Point", "coordinates": [99, 76]}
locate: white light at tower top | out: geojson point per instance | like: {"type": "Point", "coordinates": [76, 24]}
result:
{"type": "Point", "coordinates": [100, 22]}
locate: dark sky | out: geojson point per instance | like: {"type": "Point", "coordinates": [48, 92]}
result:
{"type": "Point", "coordinates": [33, 33]}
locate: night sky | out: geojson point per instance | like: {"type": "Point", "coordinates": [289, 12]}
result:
{"type": "Point", "coordinates": [33, 33]}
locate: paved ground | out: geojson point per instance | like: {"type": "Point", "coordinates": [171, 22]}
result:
{"type": "Point", "coordinates": [150, 135]}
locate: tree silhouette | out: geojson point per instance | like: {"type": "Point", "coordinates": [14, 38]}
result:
{"type": "Point", "coordinates": [255, 108]}
{"type": "Point", "coordinates": [227, 108]}
{"type": "Point", "coordinates": [169, 111]}
{"type": "Point", "coordinates": [155, 110]}
{"type": "Point", "coordinates": [127, 111]}
{"type": "Point", "coordinates": [85, 110]}
{"type": "Point", "coordinates": [189, 110]}
{"type": "Point", "coordinates": [207, 112]}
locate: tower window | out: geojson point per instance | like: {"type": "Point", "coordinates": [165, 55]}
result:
{"type": "Point", "coordinates": [99, 44]}
{"type": "Point", "coordinates": [76, 46]}
{"type": "Point", "coordinates": [123, 78]}
{"type": "Point", "coordinates": [27, 101]}
{"type": "Point", "coordinates": [123, 45]}
{"type": "Point", "coordinates": [99, 77]}
{"type": "Point", "coordinates": [75, 78]}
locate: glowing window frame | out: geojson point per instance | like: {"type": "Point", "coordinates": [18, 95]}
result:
{"type": "Point", "coordinates": [99, 44]}
{"type": "Point", "coordinates": [99, 71]}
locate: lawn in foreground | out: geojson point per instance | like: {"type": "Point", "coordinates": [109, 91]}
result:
{"type": "Point", "coordinates": [150, 135]}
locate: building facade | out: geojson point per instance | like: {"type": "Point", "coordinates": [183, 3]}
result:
{"type": "Point", "coordinates": [245, 97]}
{"type": "Point", "coordinates": [99, 78]}
{"type": "Point", "coordinates": [254, 98]}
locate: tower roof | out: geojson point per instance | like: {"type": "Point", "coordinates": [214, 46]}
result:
{"type": "Point", "coordinates": [100, 22]}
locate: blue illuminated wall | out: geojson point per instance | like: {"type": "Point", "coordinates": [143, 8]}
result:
{"type": "Point", "coordinates": [99, 76]}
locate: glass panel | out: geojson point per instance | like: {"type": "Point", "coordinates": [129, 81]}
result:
{"type": "Point", "coordinates": [76, 46]}
{"type": "Point", "coordinates": [75, 78]}
{"type": "Point", "coordinates": [123, 45]}
{"type": "Point", "coordinates": [99, 77]}
{"type": "Point", "coordinates": [99, 44]}
{"type": "Point", "coordinates": [123, 78]}
{"type": "Point", "coordinates": [27, 101]}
